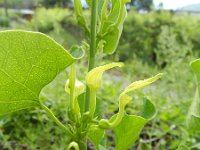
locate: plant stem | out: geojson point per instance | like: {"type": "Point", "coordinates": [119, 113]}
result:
{"type": "Point", "coordinates": [92, 47]}
{"type": "Point", "coordinates": [53, 117]}
{"type": "Point", "coordinates": [72, 85]}
{"type": "Point", "coordinates": [92, 102]}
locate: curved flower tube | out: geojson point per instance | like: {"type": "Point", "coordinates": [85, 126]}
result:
{"type": "Point", "coordinates": [94, 77]}
{"type": "Point", "coordinates": [124, 99]}
{"type": "Point", "coordinates": [94, 81]}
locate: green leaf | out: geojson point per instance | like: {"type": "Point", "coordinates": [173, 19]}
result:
{"type": "Point", "coordinates": [89, 3]}
{"type": "Point", "coordinates": [183, 147]}
{"type": "Point", "coordinates": [127, 132]}
{"type": "Point", "coordinates": [28, 62]}
{"type": "Point", "coordinates": [79, 16]}
{"type": "Point", "coordinates": [102, 10]}
{"type": "Point", "coordinates": [148, 111]}
{"type": "Point", "coordinates": [193, 117]}
{"type": "Point", "coordinates": [95, 135]}
{"type": "Point", "coordinates": [113, 26]}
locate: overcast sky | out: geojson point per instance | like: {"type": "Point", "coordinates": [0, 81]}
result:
{"type": "Point", "coordinates": [171, 4]}
{"type": "Point", "coordinates": [174, 4]}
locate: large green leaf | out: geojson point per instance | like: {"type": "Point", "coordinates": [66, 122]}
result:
{"type": "Point", "coordinates": [28, 62]}
{"type": "Point", "coordinates": [127, 132]}
{"type": "Point", "coordinates": [193, 118]}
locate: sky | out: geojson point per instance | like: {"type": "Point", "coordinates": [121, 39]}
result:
{"type": "Point", "coordinates": [172, 4]}
{"type": "Point", "coordinates": [175, 4]}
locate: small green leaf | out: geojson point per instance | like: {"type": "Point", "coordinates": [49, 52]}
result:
{"type": "Point", "coordinates": [94, 77]}
{"type": "Point", "coordinates": [79, 16]}
{"type": "Point", "coordinates": [113, 26]}
{"type": "Point", "coordinates": [148, 111]}
{"type": "Point", "coordinates": [28, 62]}
{"type": "Point", "coordinates": [89, 3]}
{"type": "Point", "coordinates": [183, 147]}
{"type": "Point", "coordinates": [193, 117]}
{"type": "Point", "coordinates": [102, 10]}
{"type": "Point", "coordinates": [77, 51]}
{"type": "Point", "coordinates": [127, 132]}
{"type": "Point", "coordinates": [95, 135]}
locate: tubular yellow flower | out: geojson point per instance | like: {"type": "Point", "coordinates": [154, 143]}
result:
{"type": "Point", "coordinates": [124, 99]}
{"type": "Point", "coordinates": [79, 87]}
{"type": "Point", "coordinates": [94, 77]}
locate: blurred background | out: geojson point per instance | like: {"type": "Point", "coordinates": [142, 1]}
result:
{"type": "Point", "coordinates": [158, 36]}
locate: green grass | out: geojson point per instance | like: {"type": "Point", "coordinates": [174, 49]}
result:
{"type": "Point", "coordinates": [172, 95]}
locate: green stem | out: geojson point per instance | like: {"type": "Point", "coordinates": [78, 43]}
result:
{"type": "Point", "coordinates": [92, 47]}
{"type": "Point", "coordinates": [92, 103]}
{"type": "Point", "coordinates": [53, 117]}
{"type": "Point", "coordinates": [107, 124]}
{"type": "Point", "coordinates": [72, 79]}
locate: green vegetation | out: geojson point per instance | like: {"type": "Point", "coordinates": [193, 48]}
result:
{"type": "Point", "coordinates": [150, 43]}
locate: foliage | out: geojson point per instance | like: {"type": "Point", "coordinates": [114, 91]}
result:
{"type": "Point", "coordinates": [40, 69]}
{"type": "Point", "coordinates": [34, 130]}
{"type": "Point", "coordinates": [33, 60]}
{"type": "Point", "coordinates": [4, 21]}
{"type": "Point", "coordinates": [59, 3]}
{"type": "Point", "coordinates": [143, 4]}
{"type": "Point", "coordinates": [193, 114]}
{"type": "Point", "coordinates": [146, 35]}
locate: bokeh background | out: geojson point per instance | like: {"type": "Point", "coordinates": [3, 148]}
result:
{"type": "Point", "coordinates": [158, 36]}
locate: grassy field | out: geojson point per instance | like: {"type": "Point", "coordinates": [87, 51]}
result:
{"type": "Point", "coordinates": [151, 43]}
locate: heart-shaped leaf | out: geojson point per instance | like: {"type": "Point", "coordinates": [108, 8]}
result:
{"type": "Point", "coordinates": [148, 111]}
{"type": "Point", "coordinates": [127, 132]}
{"type": "Point", "coordinates": [28, 62]}
{"type": "Point", "coordinates": [193, 117]}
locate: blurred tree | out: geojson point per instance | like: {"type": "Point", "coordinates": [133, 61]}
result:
{"type": "Point", "coordinates": [59, 3]}
{"type": "Point", "coordinates": [6, 7]}
{"type": "Point", "coordinates": [161, 6]}
{"type": "Point", "coordinates": [142, 4]}
{"type": "Point", "coordinates": [132, 2]}
{"type": "Point", "coordinates": [10, 3]}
